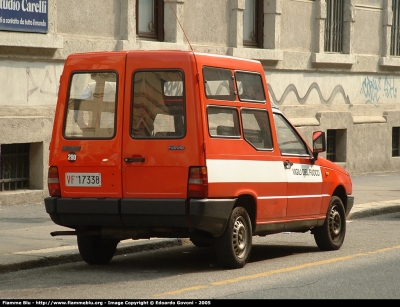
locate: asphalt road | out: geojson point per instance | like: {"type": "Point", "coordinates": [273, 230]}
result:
{"type": "Point", "coordinates": [26, 242]}
{"type": "Point", "coordinates": [286, 265]}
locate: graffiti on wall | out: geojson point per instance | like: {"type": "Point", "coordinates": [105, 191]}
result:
{"type": "Point", "coordinates": [375, 88]}
{"type": "Point", "coordinates": [338, 90]}
{"type": "Point", "coordinates": [48, 83]}
{"type": "Point", "coordinates": [372, 90]}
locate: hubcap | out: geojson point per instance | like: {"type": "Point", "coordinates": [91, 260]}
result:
{"type": "Point", "coordinates": [335, 223]}
{"type": "Point", "coordinates": [239, 237]}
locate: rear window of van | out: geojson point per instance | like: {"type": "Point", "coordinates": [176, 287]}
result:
{"type": "Point", "coordinates": [91, 106]}
{"type": "Point", "coordinates": [158, 106]}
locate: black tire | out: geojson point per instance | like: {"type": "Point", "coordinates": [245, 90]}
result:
{"type": "Point", "coordinates": [96, 250]}
{"type": "Point", "coordinates": [233, 248]}
{"type": "Point", "coordinates": [330, 236]}
{"type": "Point", "coordinates": [201, 240]}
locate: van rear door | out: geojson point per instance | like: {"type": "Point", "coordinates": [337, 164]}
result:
{"type": "Point", "coordinates": [88, 153]}
{"type": "Point", "coordinates": [161, 140]}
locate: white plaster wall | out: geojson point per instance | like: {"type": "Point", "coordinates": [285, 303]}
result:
{"type": "Point", "coordinates": [298, 26]}
{"type": "Point", "coordinates": [368, 28]}
{"type": "Point", "coordinates": [36, 130]}
{"type": "Point", "coordinates": [99, 18]}
{"type": "Point", "coordinates": [29, 83]}
{"type": "Point", "coordinates": [207, 21]}
{"type": "Point", "coordinates": [28, 95]}
{"type": "Point", "coordinates": [333, 89]}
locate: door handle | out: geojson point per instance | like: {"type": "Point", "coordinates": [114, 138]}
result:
{"type": "Point", "coordinates": [135, 159]}
{"type": "Point", "coordinates": [287, 164]}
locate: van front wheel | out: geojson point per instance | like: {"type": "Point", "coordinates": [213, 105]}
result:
{"type": "Point", "coordinates": [96, 250]}
{"type": "Point", "coordinates": [330, 235]}
{"type": "Point", "coordinates": [234, 246]}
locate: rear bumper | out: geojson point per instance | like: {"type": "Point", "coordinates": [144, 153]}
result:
{"type": "Point", "coordinates": [209, 215]}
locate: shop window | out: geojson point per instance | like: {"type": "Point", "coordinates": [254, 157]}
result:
{"type": "Point", "coordinates": [395, 34]}
{"type": "Point", "coordinates": [331, 145]}
{"type": "Point", "coordinates": [336, 145]}
{"type": "Point", "coordinates": [253, 23]}
{"type": "Point", "coordinates": [395, 141]}
{"type": "Point", "coordinates": [334, 26]}
{"type": "Point", "coordinates": [150, 19]}
{"type": "Point", "coordinates": [14, 165]}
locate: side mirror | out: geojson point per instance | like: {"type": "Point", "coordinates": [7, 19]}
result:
{"type": "Point", "coordinates": [319, 143]}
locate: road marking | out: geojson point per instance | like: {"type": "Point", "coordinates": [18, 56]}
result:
{"type": "Point", "coordinates": [47, 250]}
{"type": "Point", "coordinates": [268, 273]}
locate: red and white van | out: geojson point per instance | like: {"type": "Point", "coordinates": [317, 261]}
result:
{"type": "Point", "coordinates": [180, 144]}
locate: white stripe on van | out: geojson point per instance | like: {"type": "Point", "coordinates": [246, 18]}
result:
{"type": "Point", "coordinates": [304, 173]}
{"type": "Point", "coordinates": [260, 171]}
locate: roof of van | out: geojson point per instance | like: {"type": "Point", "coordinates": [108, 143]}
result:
{"type": "Point", "coordinates": [171, 51]}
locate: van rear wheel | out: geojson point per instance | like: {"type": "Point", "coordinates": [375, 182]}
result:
{"type": "Point", "coordinates": [234, 246]}
{"type": "Point", "coordinates": [96, 250]}
{"type": "Point", "coordinates": [330, 235]}
{"type": "Point", "coordinates": [201, 240]}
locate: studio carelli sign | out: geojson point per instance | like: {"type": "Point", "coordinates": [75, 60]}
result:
{"type": "Point", "coordinates": [24, 15]}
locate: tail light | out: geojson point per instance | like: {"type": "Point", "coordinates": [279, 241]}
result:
{"type": "Point", "coordinates": [198, 182]}
{"type": "Point", "coordinates": [53, 182]}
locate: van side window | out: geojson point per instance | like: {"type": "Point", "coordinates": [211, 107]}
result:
{"type": "Point", "coordinates": [223, 122]}
{"type": "Point", "coordinates": [218, 83]}
{"type": "Point", "coordinates": [250, 86]}
{"type": "Point", "coordinates": [158, 107]}
{"type": "Point", "coordinates": [91, 105]}
{"type": "Point", "coordinates": [289, 140]}
{"type": "Point", "coordinates": [256, 128]}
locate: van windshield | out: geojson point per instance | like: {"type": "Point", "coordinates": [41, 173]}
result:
{"type": "Point", "coordinates": [91, 105]}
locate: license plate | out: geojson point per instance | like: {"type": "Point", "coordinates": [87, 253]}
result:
{"type": "Point", "coordinates": [83, 179]}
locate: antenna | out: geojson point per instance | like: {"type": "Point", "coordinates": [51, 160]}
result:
{"type": "Point", "coordinates": [180, 25]}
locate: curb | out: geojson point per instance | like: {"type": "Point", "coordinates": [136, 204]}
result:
{"type": "Point", "coordinates": [75, 257]}
{"type": "Point", "coordinates": [375, 210]}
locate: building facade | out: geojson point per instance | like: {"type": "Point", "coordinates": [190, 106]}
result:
{"type": "Point", "coordinates": [332, 65]}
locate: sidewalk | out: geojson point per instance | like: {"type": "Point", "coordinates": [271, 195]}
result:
{"type": "Point", "coordinates": [26, 242]}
